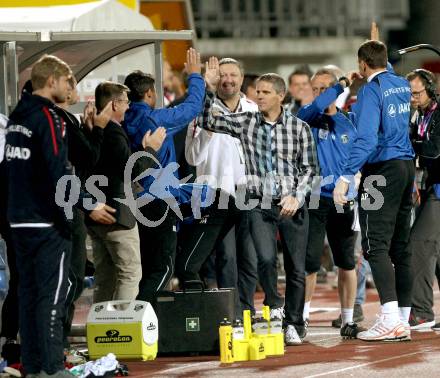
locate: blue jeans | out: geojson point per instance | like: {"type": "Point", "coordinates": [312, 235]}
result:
{"type": "Point", "coordinates": [363, 271]}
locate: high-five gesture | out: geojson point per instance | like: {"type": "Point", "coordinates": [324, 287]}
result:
{"type": "Point", "coordinates": [212, 73]}
{"type": "Point", "coordinates": [374, 33]}
{"type": "Point", "coordinates": [192, 64]}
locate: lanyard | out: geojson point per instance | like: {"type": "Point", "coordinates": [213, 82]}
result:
{"type": "Point", "coordinates": [423, 125]}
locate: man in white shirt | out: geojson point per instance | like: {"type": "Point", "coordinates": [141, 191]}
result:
{"type": "Point", "coordinates": [221, 157]}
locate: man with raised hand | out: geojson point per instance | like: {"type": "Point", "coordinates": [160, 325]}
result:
{"type": "Point", "coordinates": [384, 155]}
{"type": "Point", "coordinates": [220, 157]}
{"type": "Point", "coordinates": [280, 161]}
{"type": "Point", "coordinates": [334, 134]}
{"type": "Point", "coordinates": [159, 236]}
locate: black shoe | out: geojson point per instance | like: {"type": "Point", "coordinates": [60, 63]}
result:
{"type": "Point", "coordinates": [350, 331]}
{"type": "Point", "coordinates": [358, 316]}
{"type": "Point", "coordinates": [11, 352]}
{"type": "Point", "coordinates": [336, 323]}
{"type": "Point", "coordinates": [301, 330]}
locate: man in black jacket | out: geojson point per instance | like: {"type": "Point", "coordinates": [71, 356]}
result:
{"type": "Point", "coordinates": [84, 148]}
{"type": "Point", "coordinates": [116, 247]}
{"type": "Point", "coordinates": [36, 159]}
{"type": "Point", "coordinates": [425, 234]}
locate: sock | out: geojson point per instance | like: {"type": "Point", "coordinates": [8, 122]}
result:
{"type": "Point", "coordinates": [391, 312]}
{"type": "Point", "coordinates": [306, 311]}
{"type": "Point", "coordinates": [404, 314]}
{"type": "Point", "coordinates": [346, 316]}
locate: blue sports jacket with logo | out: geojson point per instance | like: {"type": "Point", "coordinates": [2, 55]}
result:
{"type": "Point", "coordinates": [333, 134]}
{"type": "Point", "coordinates": [382, 114]}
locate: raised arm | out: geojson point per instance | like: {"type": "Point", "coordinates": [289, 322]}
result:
{"type": "Point", "coordinates": [309, 112]}
{"type": "Point", "coordinates": [177, 118]}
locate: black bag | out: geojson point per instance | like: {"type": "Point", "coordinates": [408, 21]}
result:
{"type": "Point", "coordinates": [189, 319]}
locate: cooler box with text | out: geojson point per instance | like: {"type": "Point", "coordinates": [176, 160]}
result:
{"type": "Point", "coordinates": [189, 320]}
{"type": "Point", "coordinates": [127, 329]}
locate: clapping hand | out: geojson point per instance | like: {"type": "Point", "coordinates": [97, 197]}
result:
{"type": "Point", "coordinates": [154, 140]}
{"type": "Point", "coordinates": [87, 116]}
{"type": "Point", "coordinates": [101, 120]}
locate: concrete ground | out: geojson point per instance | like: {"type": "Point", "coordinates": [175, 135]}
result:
{"type": "Point", "coordinates": [323, 354]}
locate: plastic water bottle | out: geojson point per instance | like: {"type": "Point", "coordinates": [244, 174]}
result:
{"type": "Point", "coordinates": [4, 281]}
{"type": "Point", "coordinates": [260, 326]}
{"type": "Point", "coordinates": [238, 330]}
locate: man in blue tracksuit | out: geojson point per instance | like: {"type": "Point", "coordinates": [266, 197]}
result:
{"type": "Point", "coordinates": [158, 236]}
{"type": "Point", "coordinates": [334, 134]}
{"type": "Point", "coordinates": [384, 153]}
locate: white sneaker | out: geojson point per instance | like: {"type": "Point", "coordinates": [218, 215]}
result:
{"type": "Point", "coordinates": [384, 330]}
{"type": "Point", "coordinates": [291, 336]}
{"type": "Point", "coordinates": [277, 313]}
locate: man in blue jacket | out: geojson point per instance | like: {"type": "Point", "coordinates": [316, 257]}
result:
{"type": "Point", "coordinates": [384, 153]}
{"type": "Point", "coordinates": [158, 237]}
{"type": "Point", "coordinates": [334, 134]}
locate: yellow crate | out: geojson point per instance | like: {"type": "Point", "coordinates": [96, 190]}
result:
{"type": "Point", "coordinates": [127, 329]}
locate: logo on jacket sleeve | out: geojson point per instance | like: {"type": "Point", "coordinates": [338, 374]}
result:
{"type": "Point", "coordinates": [391, 110]}
{"type": "Point", "coordinates": [323, 134]}
{"type": "Point", "coordinates": [13, 152]}
{"type": "Point", "coordinates": [344, 138]}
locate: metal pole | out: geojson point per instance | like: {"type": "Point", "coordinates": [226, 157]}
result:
{"type": "Point", "coordinates": [3, 81]}
{"type": "Point", "coordinates": [158, 70]}
{"type": "Point", "coordinates": [423, 46]}
{"type": "Point", "coordinates": [13, 78]}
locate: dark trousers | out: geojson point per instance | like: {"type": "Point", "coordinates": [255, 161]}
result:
{"type": "Point", "coordinates": [215, 230]}
{"type": "Point", "coordinates": [43, 257]}
{"type": "Point", "coordinates": [78, 260]}
{"type": "Point", "coordinates": [341, 237]}
{"type": "Point", "coordinates": [263, 226]}
{"type": "Point", "coordinates": [425, 248]}
{"type": "Point", "coordinates": [226, 259]}
{"type": "Point", "coordinates": [10, 305]}
{"type": "Point", "coordinates": [158, 249]}
{"type": "Point", "coordinates": [386, 229]}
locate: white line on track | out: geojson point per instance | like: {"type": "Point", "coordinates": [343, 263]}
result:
{"type": "Point", "coordinates": [365, 364]}
{"type": "Point", "coordinates": [198, 364]}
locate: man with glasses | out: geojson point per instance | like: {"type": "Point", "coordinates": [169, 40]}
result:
{"type": "Point", "coordinates": [425, 234]}
{"type": "Point", "coordinates": [115, 243]}
{"type": "Point", "coordinates": [334, 133]}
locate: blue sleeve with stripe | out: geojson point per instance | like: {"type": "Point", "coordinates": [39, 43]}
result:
{"type": "Point", "coordinates": [309, 112]}
{"type": "Point", "coordinates": [368, 118]}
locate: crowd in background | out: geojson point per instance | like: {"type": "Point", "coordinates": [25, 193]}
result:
{"type": "Point", "coordinates": [255, 146]}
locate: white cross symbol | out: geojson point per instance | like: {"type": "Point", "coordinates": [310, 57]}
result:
{"type": "Point", "coordinates": [192, 324]}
